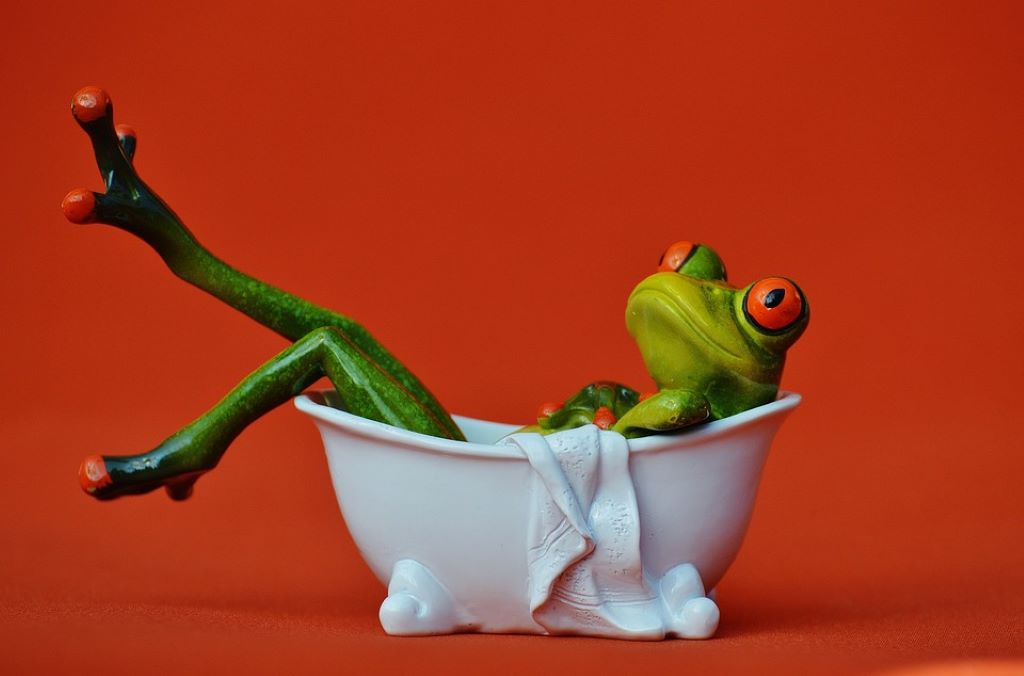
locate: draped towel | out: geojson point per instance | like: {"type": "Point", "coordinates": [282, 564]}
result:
{"type": "Point", "coordinates": [585, 573]}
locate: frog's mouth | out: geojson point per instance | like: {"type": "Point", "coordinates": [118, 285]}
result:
{"type": "Point", "coordinates": [643, 297]}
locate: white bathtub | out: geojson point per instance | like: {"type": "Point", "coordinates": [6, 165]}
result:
{"type": "Point", "coordinates": [459, 509]}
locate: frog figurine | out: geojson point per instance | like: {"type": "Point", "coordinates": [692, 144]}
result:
{"type": "Point", "coordinates": [713, 349]}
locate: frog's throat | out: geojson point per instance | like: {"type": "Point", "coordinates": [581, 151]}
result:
{"type": "Point", "coordinates": [683, 315]}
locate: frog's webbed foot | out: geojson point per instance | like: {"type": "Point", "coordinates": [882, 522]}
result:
{"type": "Point", "coordinates": [109, 477]}
{"type": "Point", "coordinates": [96, 480]}
{"type": "Point", "coordinates": [128, 203]}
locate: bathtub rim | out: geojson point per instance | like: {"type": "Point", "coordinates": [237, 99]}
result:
{"type": "Point", "coordinates": [379, 431]}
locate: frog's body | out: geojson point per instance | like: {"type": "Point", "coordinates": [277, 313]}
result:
{"type": "Point", "coordinates": [712, 349]}
{"type": "Point", "coordinates": [702, 343]}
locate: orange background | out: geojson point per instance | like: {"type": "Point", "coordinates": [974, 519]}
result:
{"type": "Point", "coordinates": [464, 179]}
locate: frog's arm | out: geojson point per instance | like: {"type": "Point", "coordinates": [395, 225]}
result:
{"type": "Point", "coordinates": [129, 204]}
{"type": "Point", "coordinates": [362, 386]}
{"type": "Point", "coordinates": [600, 403]}
{"type": "Point", "coordinates": [663, 412]}
{"type": "Point", "coordinates": [621, 409]}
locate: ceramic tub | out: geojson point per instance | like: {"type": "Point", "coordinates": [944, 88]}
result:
{"type": "Point", "coordinates": [443, 523]}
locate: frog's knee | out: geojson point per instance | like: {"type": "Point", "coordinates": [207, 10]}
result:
{"type": "Point", "coordinates": [325, 335]}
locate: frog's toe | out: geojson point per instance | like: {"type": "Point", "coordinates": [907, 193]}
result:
{"type": "Point", "coordinates": [128, 139]}
{"type": "Point", "coordinates": [125, 132]}
{"type": "Point", "coordinates": [93, 475]}
{"type": "Point", "coordinates": [79, 206]}
{"type": "Point", "coordinates": [95, 478]}
{"type": "Point", "coordinates": [181, 489]}
{"type": "Point", "coordinates": [90, 104]}
{"type": "Point", "coordinates": [109, 477]}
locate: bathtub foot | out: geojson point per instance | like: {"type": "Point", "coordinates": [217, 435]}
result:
{"type": "Point", "coordinates": [417, 604]}
{"type": "Point", "coordinates": [688, 612]}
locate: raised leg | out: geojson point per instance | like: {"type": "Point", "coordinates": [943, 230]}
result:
{"type": "Point", "coordinates": [363, 387]}
{"type": "Point", "coordinates": [129, 204]}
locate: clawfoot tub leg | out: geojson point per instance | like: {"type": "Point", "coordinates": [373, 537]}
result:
{"type": "Point", "coordinates": [131, 205]}
{"type": "Point", "coordinates": [688, 612]}
{"type": "Point", "coordinates": [363, 388]}
{"type": "Point", "coordinates": [417, 604]}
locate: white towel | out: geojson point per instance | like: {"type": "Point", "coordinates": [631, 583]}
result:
{"type": "Point", "coordinates": [586, 576]}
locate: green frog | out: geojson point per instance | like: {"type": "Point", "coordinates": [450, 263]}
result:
{"type": "Point", "coordinates": [713, 349]}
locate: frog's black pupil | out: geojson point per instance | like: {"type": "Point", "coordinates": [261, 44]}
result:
{"type": "Point", "coordinates": [774, 297]}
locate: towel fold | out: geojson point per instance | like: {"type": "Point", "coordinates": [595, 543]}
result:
{"type": "Point", "coordinates": [585, 572]}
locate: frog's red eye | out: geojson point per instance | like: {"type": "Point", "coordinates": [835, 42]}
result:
{"type": "Point", "coordinates": [773, 304]}
{"type": "Point", "coordinates": [675, 256]}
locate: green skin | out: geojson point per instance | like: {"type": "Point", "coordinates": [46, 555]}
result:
{"type": "Point", "coordinates": [706, 357]}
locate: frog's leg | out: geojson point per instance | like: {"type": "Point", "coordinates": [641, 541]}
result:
{"type": "Point", "coordinates": [364, 387]}
{"type": "Point", "coordinates": [129, 204]}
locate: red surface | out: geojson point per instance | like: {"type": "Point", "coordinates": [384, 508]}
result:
{"type": "Point", "coordinates": [461, 179]}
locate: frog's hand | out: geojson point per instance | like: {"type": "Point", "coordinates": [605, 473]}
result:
{"type": "Point", "coordinates": [601, 403]}
{"type": "Point", "coordinates": [362, 386]}
{"type": "Point", "coordinates": [129, 204]}
{"type": "Point", "coordinates": [663, 412]}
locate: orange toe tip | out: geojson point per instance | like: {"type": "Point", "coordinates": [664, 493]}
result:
{"type": "Point", "coordinates": [548, 408]}
{"type": "Point", "coordinates": [93, 474]}
{"type": "Point", "coordinates": [79, 206]}
{"type": "Point", "coordinates": [90, 103]}
{"type": "Point", "coordinates": [604, 418]}
{"type": "Point", "coordinates": [124, 130]}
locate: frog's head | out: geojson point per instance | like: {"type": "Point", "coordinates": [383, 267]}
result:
{"type": "Point", "coordinates": [697, 332]}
